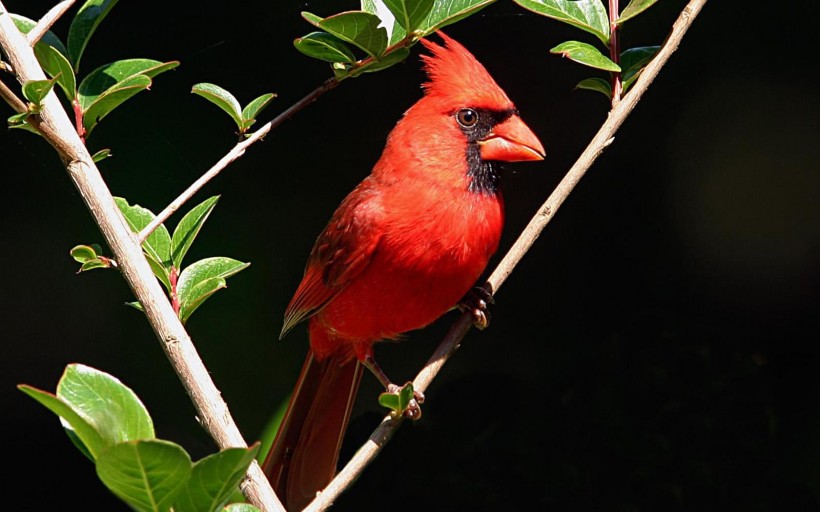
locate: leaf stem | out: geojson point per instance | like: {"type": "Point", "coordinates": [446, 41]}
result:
{"type": "Point", "coordinates": [368, 452]}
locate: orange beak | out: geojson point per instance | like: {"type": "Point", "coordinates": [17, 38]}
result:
{"type": "Point", "coordinates": [511, 141]}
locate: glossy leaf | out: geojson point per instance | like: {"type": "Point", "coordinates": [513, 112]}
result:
{"type": "Point", "coordinates": [72, 421]}
{"type": "Point", "coordinates": [585, 54]}
{"type": "Point", "coordinates": [447, 12]}
{"type": "Point", "coordinates": [158, 243]}
{"type": "Point", "coordinates": [188, 228]}
{"type": "Point", "coordinates": [241, 507]}
{"type": "Point", "coordinates": [111, 407]}
{"type": "Point", "coordinates": [109, 76]}
{"type": "Point", "coordinates": [92, 264]}
{"type": "Point", "coordinates": [358, 28]}
{"type": "Point", "coordinates": [36, 90]}
{"type": "Point", "coordinates": [101, 155]}
{"type": "Point", "coordinates": [57, 66]}
{"type": "Point", "coordinates": [83, 253]}
{"type": "Point", "coordinates": [634, 8]}
{"type": "Point", "coordinates": [634, 60]}
{"type": "Point", "coordinates": [386, 61]}
{"type": "Point", "coordinates": [148, 474]}
{"type": "Point", "coordinates": [113, 98]}
{"type": "Point", "coordinates": [398, 402]}
{"type": "Point", "coordinates": [252, 109]}
{"type": "Point", "coordinates": [326, 47]}
{"type": "Point", "coordinates": [588, 15]}
{"type": "Point", "coordinates": [596, 84]}
{"type": "Point", "coordinates": [83, 26]}
{"type": "Point", "coordinates": [410, 13]}
{"type": "Point", "coordinates": [388, 20]}
{"type": "Point", "coordinates": [214, 479]}
{"type": "Point", "coordinates": [222, 99]}
{"type": "Point", "coordinates": [202, 279]}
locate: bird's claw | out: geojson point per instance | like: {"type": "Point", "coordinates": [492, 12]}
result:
{"type": "Point", "coordinates": [476, 302]}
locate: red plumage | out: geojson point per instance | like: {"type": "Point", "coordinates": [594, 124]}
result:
{"type": "Point", "coordinates": [401, 250]}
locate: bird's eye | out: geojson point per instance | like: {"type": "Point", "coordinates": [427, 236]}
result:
{"type": "Point", "coordinates": [467, 117]}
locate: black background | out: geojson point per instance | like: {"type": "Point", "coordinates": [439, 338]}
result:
{"type": "Point", "coordinates": [655, 350]}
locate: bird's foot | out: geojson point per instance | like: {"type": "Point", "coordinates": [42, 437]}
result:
{"type": "Point", "coordinates": [476, 302]}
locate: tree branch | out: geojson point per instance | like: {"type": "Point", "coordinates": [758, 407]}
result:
{"type": "Point", "coordinates": [368, 452]}
{"type": "Point", "coordinates": [47, 21]}
{"type": "Point", "coordinates": [58, 130]}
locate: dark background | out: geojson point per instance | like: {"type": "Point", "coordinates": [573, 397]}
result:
{"type": "Point", "coordinates": [655, 350]}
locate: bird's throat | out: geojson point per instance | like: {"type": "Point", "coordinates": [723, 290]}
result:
{"type": "Point", "coordinates": [485, 177]}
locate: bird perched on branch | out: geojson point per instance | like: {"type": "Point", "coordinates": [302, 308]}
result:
{"type": "Point", "coordinates": [403, 248]}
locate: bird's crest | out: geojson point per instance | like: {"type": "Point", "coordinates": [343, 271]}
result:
{"type": "Point", "coordinates": [456, 75]}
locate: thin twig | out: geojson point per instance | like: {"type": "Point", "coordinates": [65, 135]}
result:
{"type": "Point", "coordinates": [232, 155]}
{"type": "Point", "coordinates": [450, 343]}
{"type": "Point", "coordinates": [9, 97]}
{"type": "Point", "coordinates": [47, 21]}
{"type": "Point", "coordinates": [57, 129]}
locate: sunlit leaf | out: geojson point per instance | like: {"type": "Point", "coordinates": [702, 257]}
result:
{"type": "Point", "coordinates": [148, 475]}
{"type": "Point", "coordinates": [358, 28]}
{"type": "Point", "coordinates": [188, 228]}
{"type": "Point", "coordinates": [101, 155]}
{"type": "Point", "coordinates": [410, 13]}
{"type": "Point", "coordinates": [326, 47]}
{"type": "Point", "coordinates": [585, 54]}
{"type": "Point", "coordinates": [113, 98]}
{"type": "Point", "coordinates": [252, 109]}
{"type": "Point", "coordinates": [104, 78]}
{"type": "Point", "coordinates": [447, 12]}
{"type": "Point", "coordinates": [634, 60]}
{"type": "Point", "coordinates": [222, 98]}
{"type": "Point", "coordinates": [83, 26]}
{"type": "Point", "coordinates": [36, 90]}
{"type": "Point", "coordinates": [385, 62]}
{"type": "Point", "coordinates": [158, 243]}
{"type": "Point", "coordinates": [388, 20]}
{"type": "Point", "coordinates": [588, 15]}
{"type": "Point", "coordinates": [57, 66]}
{"type": "Point", "coordinates": [111, 407]}
{"type": "Point", "coordinates": [201, 279]}
{"type": "Point", "coordinates": [634, 8]}
{"type": "Point", "coordinates": [214, 479]}
{"type": "Point", "coordinates": [596, 84]}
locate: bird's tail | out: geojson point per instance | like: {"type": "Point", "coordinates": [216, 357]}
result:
{"type": "Point", "coordinates": [304, 454]}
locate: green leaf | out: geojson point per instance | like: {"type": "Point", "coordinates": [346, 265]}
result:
{"type": "Point", "coordinates": [36, 90]}
{"type": "Point", "coordinates": [101, 155]}
{"type": "Point", "coordinates": [634, 8]}
{"type": "Point", "coordinates": [634, 60]}
{"type": "Point", "coordinates": [585, 54]}
{"type": "Point", "coordinates": [188, 228]}
{"type": "Point", "coordinates": [323, 46]}
{"type": "Point", "coordinates": [202, 279]}
{"type": "Point", "coordinates": [447, 12]}
{"type": "Point", "coordinates": [83, 253]}
{"type": "Point", "coordinates": [241, 507]}
{"type": "Point", "coordinates": [596, 84]}
{"type": "Point", "coordinates": [158, 243]}
{"type": "Point", "coordinates": [222, 99]}
{"type": "Point", "coordinates": [385, 62]}
{"type": "Point", "coordinates": [253, 109]}
{"type": "Point", "coordinates": [148, 475]}
{"type": "Point", "coordinates": [57, 66]}
{"type": "Point", "coordinates": [388, 20]}
{"type": "Point", "coordinates": [83, 26]}
{"type": "Point", "coordinates": [136, 305]}
{"type": "Point", "coordinates": [355, 27]}
{"type": "Point", "coordinates": [91, 265]}
{"type": "Point", "coordinates": [112, 408]}
{"type": "Point", "coordinates": [71, 419]}
{"type": "Point", "coordinates": [398, 402]}
{"type": "Point", "coordinates": [113, 98]}
{"type": "Point", "coordinates": [588, 15]}
{"type": "Point", "coordinates": [108, 76]}
{"type": "Point", "coordinates": [410, 13]}
{"type": "Point", "coordinates": [214, 479]}
{"type": "Point", "coordinates": [18, 119]}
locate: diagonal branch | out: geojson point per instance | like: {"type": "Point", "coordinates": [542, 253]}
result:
{"type": "Point", "coordinates": [47, 21]}
{"type": "Point", "coordinates": [57, 129]}
{"type": "Point", "coordinates": [368, 452]}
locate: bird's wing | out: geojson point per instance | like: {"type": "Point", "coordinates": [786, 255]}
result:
{"type": "Point", "coordinates": [341, 252]}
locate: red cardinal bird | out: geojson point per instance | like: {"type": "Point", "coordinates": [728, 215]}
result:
{"type": "Point", "coordinates": [402, 249]}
